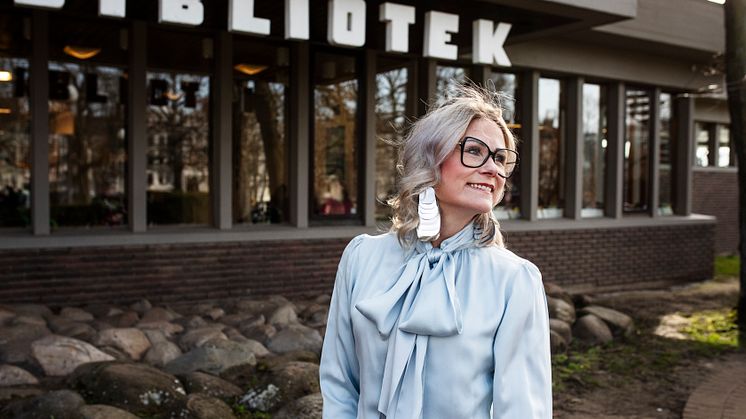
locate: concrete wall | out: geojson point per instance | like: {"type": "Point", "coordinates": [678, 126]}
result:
{"type": "Point", "coordinates": [581, 259]}
{"type": "Point", "coordinates": [715, 192]}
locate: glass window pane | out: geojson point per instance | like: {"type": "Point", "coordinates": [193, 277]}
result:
{"type": "Point", "coordinates": [507, 85]}
{"type": "Point", "coordinates": [551, 149]}
{"type": "Point", "coordinates": [15, 142]}
{"type": "Point", "coordinates": [86, 145]}
{"type": "Point", "coordinates": [335, 183]}
{"type": "Point", "coordinates": [178, 142]}
{"type": "Point", "coordinates": [391, 119]}
{"type": "Point", "coordinates": [260, 146]}
{"type": "Point", "coordinates": [446, 77]}
{"type": "Point", "coordinates": [702, 138]}
{"type": "Point", "coordinates": [724, 151]}
{"type": "Point", "coordinates": [666, 150]}
{"type": "Point", "coordinates": [636, 151]}
{"type": "Point", "coordinates": [594, 149]}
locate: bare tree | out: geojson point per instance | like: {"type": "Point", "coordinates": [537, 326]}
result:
{"type": "Point", "coordinates": [735, 77]}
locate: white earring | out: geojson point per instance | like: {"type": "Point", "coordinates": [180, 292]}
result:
{"type": "Point", "coordinates": [427, 209]}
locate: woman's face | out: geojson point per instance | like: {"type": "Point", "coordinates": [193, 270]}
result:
{"type": "Point", "coordinates": [464, 192]}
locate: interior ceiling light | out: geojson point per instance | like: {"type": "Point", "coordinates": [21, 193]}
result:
{"type": "Point", "coordinates": [6, 75]}
{"type": "Point", "coordinates": [250, 69]}
{"type": "Point", "coordinates": [5, 111]}
{"type": "Point", "coordinates": [173, 96]}
{"type": "Point", "coordinates": [81, 53]}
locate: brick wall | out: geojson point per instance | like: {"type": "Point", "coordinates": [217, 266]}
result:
{"type": "Point", "coordinates": [715, 192]}
{"type": "Point", "coordinates": [580, 259]}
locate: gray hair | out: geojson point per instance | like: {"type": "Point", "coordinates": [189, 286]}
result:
{"type": "Point", "coordinates": [426, 146]}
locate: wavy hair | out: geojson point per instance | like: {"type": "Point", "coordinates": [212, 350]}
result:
{"type": "Point", "coordinates": [426, 146]}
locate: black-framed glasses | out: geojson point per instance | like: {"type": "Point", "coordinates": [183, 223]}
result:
{"type": "Point", "coordinates": [474, 153]}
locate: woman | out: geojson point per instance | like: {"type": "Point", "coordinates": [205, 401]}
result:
{"type": "Point", "coordinates": [436, 319]}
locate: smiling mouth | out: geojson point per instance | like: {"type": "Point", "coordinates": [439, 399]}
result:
{"type": "Point", "coordinates": [481, 187]}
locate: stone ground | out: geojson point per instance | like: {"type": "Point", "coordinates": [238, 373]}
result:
{"type": "Point", "coordinates": [659, 372]}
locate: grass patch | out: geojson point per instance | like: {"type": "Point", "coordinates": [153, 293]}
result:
{"type": "Point", "coordinates": [715, 327]}
{"type": "Point", "coordinates": [576, 366]}
{"type": "Point", "coordinates": [727, 265]}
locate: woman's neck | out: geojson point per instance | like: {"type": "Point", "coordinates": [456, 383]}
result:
{"type": "Point", "coordinates": [449, 226]}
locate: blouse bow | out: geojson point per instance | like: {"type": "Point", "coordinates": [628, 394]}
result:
{"type": "Point", "coordinates": [421, 303]}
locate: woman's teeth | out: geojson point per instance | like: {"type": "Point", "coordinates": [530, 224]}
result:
{"type": "Point", "coordinates": [480, 187]}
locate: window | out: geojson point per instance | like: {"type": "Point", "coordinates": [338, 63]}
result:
{"type": "Point", "coordinates": [260, 145]}
{"type": "Point", "coordinates": [178, 124]}
{"type": "Point", "coordinates": [507, 85]}
{"type": "Point", "coordinates": [725, 152]}
{"type": "Point", "coordinates": [636, 151]}
{"type": "Point", "coordinates": [551, 148]}
{"type": "Point", "coordinates": [87, 98]}
{"type": "Point", "coordinates": [667, 137]}
{"type": "Point", "coordinates": [392, 77]}
{"type": "Point", "coordinates": [594, 149]}
{"type": "Point", "coordinates": [713, 145]}
{"type": "Point", "coordinates": [446, 77]}
{"type": "Point", "coordinates": [336, 136]}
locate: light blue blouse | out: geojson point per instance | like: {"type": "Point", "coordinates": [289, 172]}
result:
{"type": "Point", "coordinates": [435, 333]}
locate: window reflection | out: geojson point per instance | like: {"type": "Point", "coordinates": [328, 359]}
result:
{"type": "Point", "coordinates": [636, 151]}
{"type": "Point", "coordinates": [86, 145]}
{"type": "Point", "coordinates": [702, 134]}
{"type": "Point", "coordinates": [260, 146]}
{"type": "Point", "coordinates": [724, 149]}
{"type": "Point", "coordinates": [666, 150]}
{"type": "Point", "coordinates": [15, 174]}
{"type": "Point", "coordinates": [446, 79]}
{"type": "Point", "coordinates": [551, 149]}
{"type": "Point", "coordinates": [507, 85]}
{"type": "Point", "coordinates": [594, 149]}
{"type": "Point", "coordinates": [335, 183]}
{"type": "Point", "coordinates": [178, 140]}
{"type": "Point", "coordinates": [391, 101]}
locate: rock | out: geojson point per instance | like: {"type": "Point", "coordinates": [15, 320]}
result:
{"type": "Point", "coordinates": [211, 359]}
{"type": "Point", "coordinates": [76, 314]}
{"type": "Point", "coordinates": [260, 333]}
{"type": "Point", "coordinates": [283, 316]}
{"type": "Point", "coordinates": [591, 329]}
{"type": "Point", "coordinates": [158, 315]}
{"type": "Point", "coordinates": [200, 382]}
{"type": "Point", "coordinates": [131, 341]}
{"type": "Point", "coordinates": [564, 329]}
{"type": "Point", "coordinates": [561, 310]}
{"type": "Point", "coordinates": [280, 384]}
{"type": "Point", "coordinates": [167, 328]}
{"type": "Point", "coordinates": [191, 322]}
{"type": "Point", "coordinates": [61, 404]}
{"type": "Point", "coordinates": [141, 306]}
{"type": "Point", "coordinates": [6, 315]}
{"type": "Point", "coordinates": [131, 386]}
{"type": "Point", "coordinates": [15, 343]}
{"type": "Point", "coordinates": [202, 406]}
{"type": "Point", "coordinates": [315, 315]}
{"type": "Point", "coordinates": [161, 353]}
{"type": "Point", "coordinates": [307, 407]}
{"type": "Point", "coordinates": [126, 319]}
{"type": "Point", "coordinates": [10, 375]}
{"type": "Point", "coordinates": [10, 393]}
{"type": "Point", "coordinates": [295, 337]}
{"type": "Point", "coordinates": [239, 319]}
{"type": "Point", "coordinates": [619, 323]}
{"type": "Point", "coordinates": [215, 313]}
{"type": "Point", "coordinates": [557, 343]}
{"type": "Point", "coordinates": [37, 310]}
{"type": "Point", "coordinates": [73, 329]}
{"type": "Point", "coordinates": [28, 320]}
{"type": "Point", "coordinates": [323, 299]}
{"type": "Point", "coordinates": [116, 353]}
{"type": "Point", "coordinates": [102, 411]}
{"type": "Point", "coordinates": [582, 300]}
{"type": "Point", "coordinates": [103, 310]}
{"type": "Point", "coordinates": [197, 337]}
{"type": "Point", "coordinates": [255, 307]}
{"type": "Point", "coordinates": [59, 355]}
{"type": "Point", "coordinates": [554, 290]}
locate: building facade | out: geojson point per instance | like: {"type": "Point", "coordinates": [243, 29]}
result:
{"type": "Point", "coordinates": [187, 149]}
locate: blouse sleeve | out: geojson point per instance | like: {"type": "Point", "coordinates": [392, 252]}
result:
{"type": "Point", "coordinates": [522, 384]}
{"type": "Point", "coordinates": [339, 370]}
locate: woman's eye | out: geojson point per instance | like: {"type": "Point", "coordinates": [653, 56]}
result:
{"type": "Point", "coordinates": [500, 159]}
{"type": "Point", "coordinates": [475, 151]}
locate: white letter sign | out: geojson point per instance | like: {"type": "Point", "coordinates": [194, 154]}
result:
{"type": "Point", "coordinates": [113, 8]}
{"type": "Point", "coordinates": [296, 19]}
{"type": "Point", "coordinates": [241, 18]}
{"type": "Point", "coordinates": [438, 29]}
{"type": "Point", "coordinates": [488, 45]}
{"type": "Point", "coordinates": [49, 4]}
{"type": "Point", "coordinates": [346, 24]}
{"type": "Point", "coordinates": [184, 12]}
{"type": "Point", "coordinates": [398, 17]}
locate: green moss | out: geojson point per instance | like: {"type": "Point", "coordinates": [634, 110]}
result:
{"type": "Point", "coordinates": [714, 327]}
{"type": "Point", "coordinates": [727, 265]}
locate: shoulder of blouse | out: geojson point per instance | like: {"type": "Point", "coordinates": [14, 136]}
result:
{"type": "Point", "coordinates": [507, 264]}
